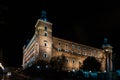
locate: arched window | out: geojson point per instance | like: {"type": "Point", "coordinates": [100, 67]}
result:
{"type": "Point", "coordinates": [45, 28]}
{"type": "Point", "coordinates": [45, 34]}
{"type": "Point", "coordinates": [45, 55]}
{"type": "Point", "coordinates": [66, 45]}
{"type": "Point", "coordinates": [73, 61]}
{"type": "Point", "coordinates": [59, 43]}
{"type": "Point", "coordinates": [73, 47]}
{"type": "Point", "coordinates": [78, 47]}
{"type": "Point", "coordinates": [45, 43]}
{"type": "Point", "coordinates": [59, 49]}
{"type": "Point", "coordinates": [67, 60]}
{"type": "Point", "coordinates": [79, 63]}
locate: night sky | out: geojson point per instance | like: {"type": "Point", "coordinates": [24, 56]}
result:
{"type": "Point", "coordinates": [84, 22]}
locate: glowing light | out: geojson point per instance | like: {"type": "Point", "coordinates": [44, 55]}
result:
{"type": "Point", "coordinates": [105, 71]}
{"type": "Point", "coordinates": [38, 67]}
{"type": "Point", "coordinates": [73, 70]}
{"type": "Point", "coordinates": [46, 66]}
{"type": "Point", "coordinates": [118, 72]}
{"type": "Point", "coordinates": [9, 73]}
{"type": "Point", "coordinates": [2, 66]}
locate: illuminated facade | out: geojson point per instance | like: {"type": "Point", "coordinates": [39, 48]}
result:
{"type": "Point", "coordinates": [43, 47]}
{"type": "Point", "coordinates": [1, 59]}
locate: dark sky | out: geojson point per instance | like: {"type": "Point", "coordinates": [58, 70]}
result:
{"type": "Point", "coordinates": [82, 21]}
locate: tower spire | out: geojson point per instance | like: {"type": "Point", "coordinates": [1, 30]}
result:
{"type": "Point", "coordinates": [43, 15]}
{"type": "Point", "coordinates": [106, 42]}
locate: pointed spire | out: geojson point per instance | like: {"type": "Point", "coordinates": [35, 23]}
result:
{"type": "Point", "coordinates": [106, 42]}
{"type": "Point", "coordinates": [43, 15]}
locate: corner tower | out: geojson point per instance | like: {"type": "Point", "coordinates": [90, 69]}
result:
{"type": "Point", "coordinates": [108, 52]}
{"type": "Point", "coordinates": [43, 30]}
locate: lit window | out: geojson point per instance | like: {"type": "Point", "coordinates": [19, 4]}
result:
{"type": "Point", "coordinates": [45, 33]}
{"type": "Point", "coordinates": [45, 28]}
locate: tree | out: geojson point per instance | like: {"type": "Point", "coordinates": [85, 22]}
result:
{"type": "Point", "coordinates": [57, 63]}
{"type": "Point", "coordinates": [91, 64]}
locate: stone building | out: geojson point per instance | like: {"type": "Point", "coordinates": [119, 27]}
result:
{"type": "Point", "coordinates": [44, 46]}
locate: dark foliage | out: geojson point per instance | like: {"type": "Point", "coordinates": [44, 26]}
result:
{"type": "Point", "coordinates": [57, 63]}
{"type": "Point", "coordinates": [91, 64]}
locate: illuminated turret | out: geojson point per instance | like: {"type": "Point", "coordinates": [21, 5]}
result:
{"type": "Point", "coordinates": [43, 15]}
{"type": "Point", "coordinates": [108, 51]}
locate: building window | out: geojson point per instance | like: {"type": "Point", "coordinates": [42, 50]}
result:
{"type": "Point", "coordinates": [73, 46]}
{"type": "Point", "coordinates": [66, 50]}
{"type": "Point", "coordinates": [78, 47]}
{"type": "Point", "coordinates": [79, 63]}
{"type": "Point", "coordinates": [79, 53]}
{"type": "Point", "coordinates": [59, 43]}
{"type": "Point", "coordinates": [45, 55]}
{"type": "Point", "coordinates": [72, 51]}
{"type": "Point", "coordinates": [45, 44]}
{"type": "Point", "coordinates": [73, 61]}
{"type": "Point", "coordinates": [67, 60]}
{"type": "Point", "coordinates": [89, 51]}
{"type": "Point", "coordinates": [66, 45]}
{"type": "Point", "coordinates": [59, 49]}
{"type": "Point", "coordinates": [45, 28]}
{"type": "Point", "coordinates": [95, 51]}
{"type": "Point", "coordinates": [85, 51]}
{"type": "Point", "coordinates": [45, 34]}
